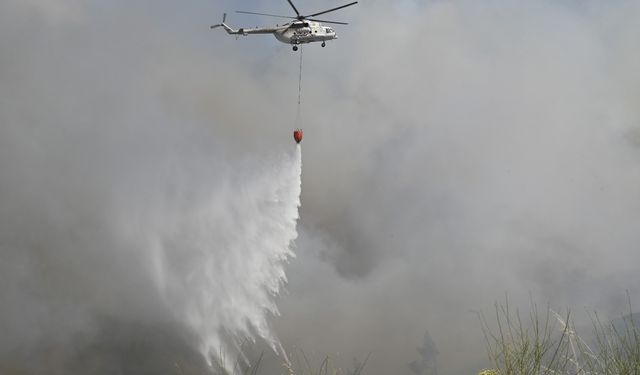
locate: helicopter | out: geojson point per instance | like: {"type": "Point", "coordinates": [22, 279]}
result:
{"type": "Point", "coordinates": [304, 29]}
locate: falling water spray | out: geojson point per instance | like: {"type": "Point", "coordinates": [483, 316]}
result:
{"type": "Point", "coordinates": [184, 242]}
{"type": "Point", "coordinates": [221, 263]}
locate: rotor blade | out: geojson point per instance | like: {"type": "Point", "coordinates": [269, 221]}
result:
{"type": "Point", "coordinates": [294, 8]}
{"type": "Point", "coordinates": [323, 21]}
{"type": "Point", "coordinates": [333, 10]}
{"type": "Point", "coordinates": [265, 14]}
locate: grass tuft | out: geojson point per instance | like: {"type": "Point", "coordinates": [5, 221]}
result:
{"type": "Point", "coordinates": [547, 343]}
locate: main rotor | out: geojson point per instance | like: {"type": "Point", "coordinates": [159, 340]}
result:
{"type": "Point", "coordinates": [301, 17]}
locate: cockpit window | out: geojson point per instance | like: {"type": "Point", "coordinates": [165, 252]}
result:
{"type": "Point", "coordinates": [328, 30]}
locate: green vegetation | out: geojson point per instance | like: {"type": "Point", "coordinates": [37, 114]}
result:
{"type": "Point", "coordinates": [618, 347]}
{"type": "Point", "coordinates": [527, 349]}
{"type": "Point", "coordinates": [547, 343]}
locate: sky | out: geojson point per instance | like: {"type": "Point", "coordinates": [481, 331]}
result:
{"type": "Point", "coordinates": [454, 152]}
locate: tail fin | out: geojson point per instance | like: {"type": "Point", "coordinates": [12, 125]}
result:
{"type": "Point", "coordinates": [225, 26]}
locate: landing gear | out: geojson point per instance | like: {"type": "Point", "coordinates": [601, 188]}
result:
{"type": "Point", "coordinates": [324, 44]}
{"type": "Point", "coordinates": [295, 48]}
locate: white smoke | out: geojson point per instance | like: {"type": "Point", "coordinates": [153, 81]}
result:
{"type": "Point", "coordinates": [125, 222]}
{"type": "Point", "coordinates": [473, 148]}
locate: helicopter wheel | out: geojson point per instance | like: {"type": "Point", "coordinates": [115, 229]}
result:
{"type": "Point", "coordinates": [324, 44]}
{"type": "Point", "coordinates": [295, 48]}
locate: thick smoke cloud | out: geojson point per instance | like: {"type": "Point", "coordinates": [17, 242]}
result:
{"type": "Point", "coordinates": [489, 148]}
{"type": "Point", "coordinates": [454, 151]}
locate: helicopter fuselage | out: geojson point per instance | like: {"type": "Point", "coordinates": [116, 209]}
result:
{"type": "Point", "coordinates": [303, 29]}
{"type": "Point", "coordinates": [296, 32]}
{"type": "Point", "coordinates": [304, 32]}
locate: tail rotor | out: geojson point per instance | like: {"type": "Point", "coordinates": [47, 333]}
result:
{"type": "Point", "coordinates": [224, 19]}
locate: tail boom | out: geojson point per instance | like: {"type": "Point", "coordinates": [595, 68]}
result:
{"type": "Point", "coordinates": [243, 31]}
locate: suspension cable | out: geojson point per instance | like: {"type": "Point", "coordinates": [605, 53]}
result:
{"type": "Point", "coordinates": [298, 119]}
